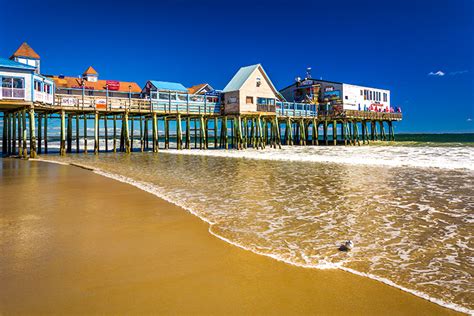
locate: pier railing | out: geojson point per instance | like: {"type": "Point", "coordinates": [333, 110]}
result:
{"type": "Point", "coordinates": [359, 115]}
{"type": "Point", "coordinates": [294, 109]}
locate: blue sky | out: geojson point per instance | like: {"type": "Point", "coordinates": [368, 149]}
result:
{"type": "Point", "coordinates": [387, 44]}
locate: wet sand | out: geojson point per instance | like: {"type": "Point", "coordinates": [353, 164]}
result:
{"type": "Point", "coordinates": [72, 241]}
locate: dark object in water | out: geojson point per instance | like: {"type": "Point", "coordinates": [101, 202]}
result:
{"type": "Point", "coordinates": [346, 246]}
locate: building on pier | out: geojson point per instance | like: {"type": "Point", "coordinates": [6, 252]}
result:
{"type": "Point", "coordinates": [203, 88]}
{"type": "Point", "coordinates": [340, 96]}
{"type": "Point", "coordinates": [173, 97]}
{"type": "Point", "coordinates": [71, 91]}
{"type": "Point", "coordinates": [250, 91]}
{"type": "Point", "coordinates": [26, 55]}
{"type": "Point", "coordinates": [21, 84]}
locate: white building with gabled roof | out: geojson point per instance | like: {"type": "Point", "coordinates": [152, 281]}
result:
{"type": "Point", "coordinates": [250, 91]}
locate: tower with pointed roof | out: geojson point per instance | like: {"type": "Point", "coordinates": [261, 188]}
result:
{"type": "Point", "coordinates": [26, 55]}
{"type": "Point", "coordinates": [90, 75]}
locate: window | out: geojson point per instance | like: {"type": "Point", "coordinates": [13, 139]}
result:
{"type": "Point", "coordinates": [249, 100]}
{"type": "Point", "coordinates": [385, 97]}
{"type": "Point", "coordinates": [347, 98]}
{"type": "Point", "coordinates": [37, 85]}
{"type": "Point", "coordinates": [259, 82]}
{"type": "Point", "coordinates": [16, 83]}
{"type": "Point", "coordinates": [361, 92]}
{"type": "Point", "coordinates": [265, 101]}
{"type": "Point", "coordinates": [153, 95]}
{"type": "Point", "coordinates": [47, 88]}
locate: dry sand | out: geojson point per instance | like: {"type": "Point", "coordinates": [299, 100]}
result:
{"type": "Point", "coordinates": [72, 241]}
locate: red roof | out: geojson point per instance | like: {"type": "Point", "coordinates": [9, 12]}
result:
{"type": "Point", "coordinates": [90, 71]}
{"type": "Point", "coordinates": [25, 51]}
{"type": "Point", "coordinates": [73, 82]}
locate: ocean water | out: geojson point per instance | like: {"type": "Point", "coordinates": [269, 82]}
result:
{"type": "Point", "coordinates": [408, 209]}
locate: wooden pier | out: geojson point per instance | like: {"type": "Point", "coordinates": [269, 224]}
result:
{"type": "Point", "coordinates": [129, 125]}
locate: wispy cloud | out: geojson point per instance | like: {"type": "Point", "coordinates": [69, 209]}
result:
{"type": "Point", "coordinates": [459, 72]}
{"type": "Point", "coordinates": [469, 119]}
{"type": "Point", "coordinates": [439, 73]}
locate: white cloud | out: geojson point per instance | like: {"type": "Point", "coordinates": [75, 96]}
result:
{"type": "Point", "coordinates": [459, 72]}
{"type": "Point", "coordinates": [439, 73]}
{"type": "Point", "coordinates": [469, 119]}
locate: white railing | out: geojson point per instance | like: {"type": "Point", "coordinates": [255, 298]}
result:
{"type": "Point", "coordinates": [13, 93]}
{"type": "Point", "coordinates": [42, 97]}
{"type": "Point", "coordinates": [38, 96]}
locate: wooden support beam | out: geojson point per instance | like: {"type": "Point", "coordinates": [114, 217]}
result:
{"type": "Point", "coordinates": [334, 132]}
{"type": "Point", "coordinates": [132, 132]}
{"type": "Point", "coordinates": [24, 135]}
{"type": "Point", "coordinates": [9, 134]}
{"type": "Point", "coordinates": [96, 133]}
{"type": "Point", "coordinates": [179, 136]}
{"type": "Point", "coordinates": [366, 132]}
{"type": "Point", "coordinates": [167, 132]}
{"type": "Point", "coordinates": [114, 140]}
{"type": "Point", "coordinates": [326, 141]}
{"type": "Point", "coordinates": [45, 132]}
{"type": "Point", "coordinates": [206, 133]}
{"type": "Point", "coordinates": [225, 130]}
{"type": "Point", "coordinates": [126, 135]}
{"type": "Point", "coordinates": [216, 128]}
{"type": "Point", "coordinates": [277, 130]}
{"type": "Point", "coordinates": [33, 153]}
{"type": "Point", "coordinates": [142, 139]}
{"type": "Point", "coordinates": [4, 134]}
{"type": "Point", "coordinates": [145, 131]}
{"type": "Point", "coordinates": [77, 133]}
{"type": "Point", "coordinates": [62, 144]}
{"type": "Point", "coordinates": [188, 133]}
{"type": "Point", "coordinates": [84, 118]}
{"type": "Point", "coordinates": [202, 132]}
{"type": "Point", "coordinates": [302, 133]}
{"type": "Point", "coordinates": [106, 133]}
{"type": "Point", "coordinates": [155, 133]}
{"type": "Point", "coordinates": [40, 130]}
{"type": "Point", "coordinates": [69, 134]}
{"type": "Point", "coordinates": [315, 132]}
{"type": "Point", "coordinates": [356, 133]}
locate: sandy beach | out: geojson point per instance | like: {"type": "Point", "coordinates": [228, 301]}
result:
{"type": "Point", "coordinates": [74, 242]}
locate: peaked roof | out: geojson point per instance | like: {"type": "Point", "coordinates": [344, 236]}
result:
{"type": "Point", "coordinates": [90, 71]}
{"type": "Point", "coordinates": [25, 51]}
{"type": "Point", "coordinates": [243, 75]}
{"type": "Point", "coordinates": [197, 88]}
{"type": "Point", "coordinates": [7, 63]}
{"type": "Point", "coordinates": [168, 86]}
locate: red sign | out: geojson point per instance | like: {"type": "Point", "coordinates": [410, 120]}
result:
{"type": "Point", "coordinates": [113, 85]}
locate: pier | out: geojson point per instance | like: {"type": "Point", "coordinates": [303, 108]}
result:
{"type": "Point", "coordinates": [90, 115]}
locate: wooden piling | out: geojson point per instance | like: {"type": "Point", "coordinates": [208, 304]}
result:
{"type": "Point", "coordinates": [24, 135]}
{"type": "Point", "coordinates": [155, 133]}
{"type": "Point", "coordinates": [126, 133]}
{"type": "Point", "coordinates": [69, 134]}
{"type": "Point", "coordinates": [334, 132]}
{"type": "Point", "coordinates": [38, 147]}
{"type": "Point", "coordinates": [114, 140]}
{"type": "Point", "coordinates": [96, 133]}
{"type": "Point", "coordinates": [62, 143]}
{"type": "Point", "coordinates": [85, 132]}
{"type": "Point", "coordinates": [77, 133]}
{"type": "Point", "coordinates": [106, 133]}
{"type": "Point", "coordinates": [179, 136]}
{"type": "Point", "coordinates": [45, 133]}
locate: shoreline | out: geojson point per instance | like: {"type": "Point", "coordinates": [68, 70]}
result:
{"type": "Point", "coordinates": [405, 295]}
{"type": "Point", "coordinates": [149, 189]}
